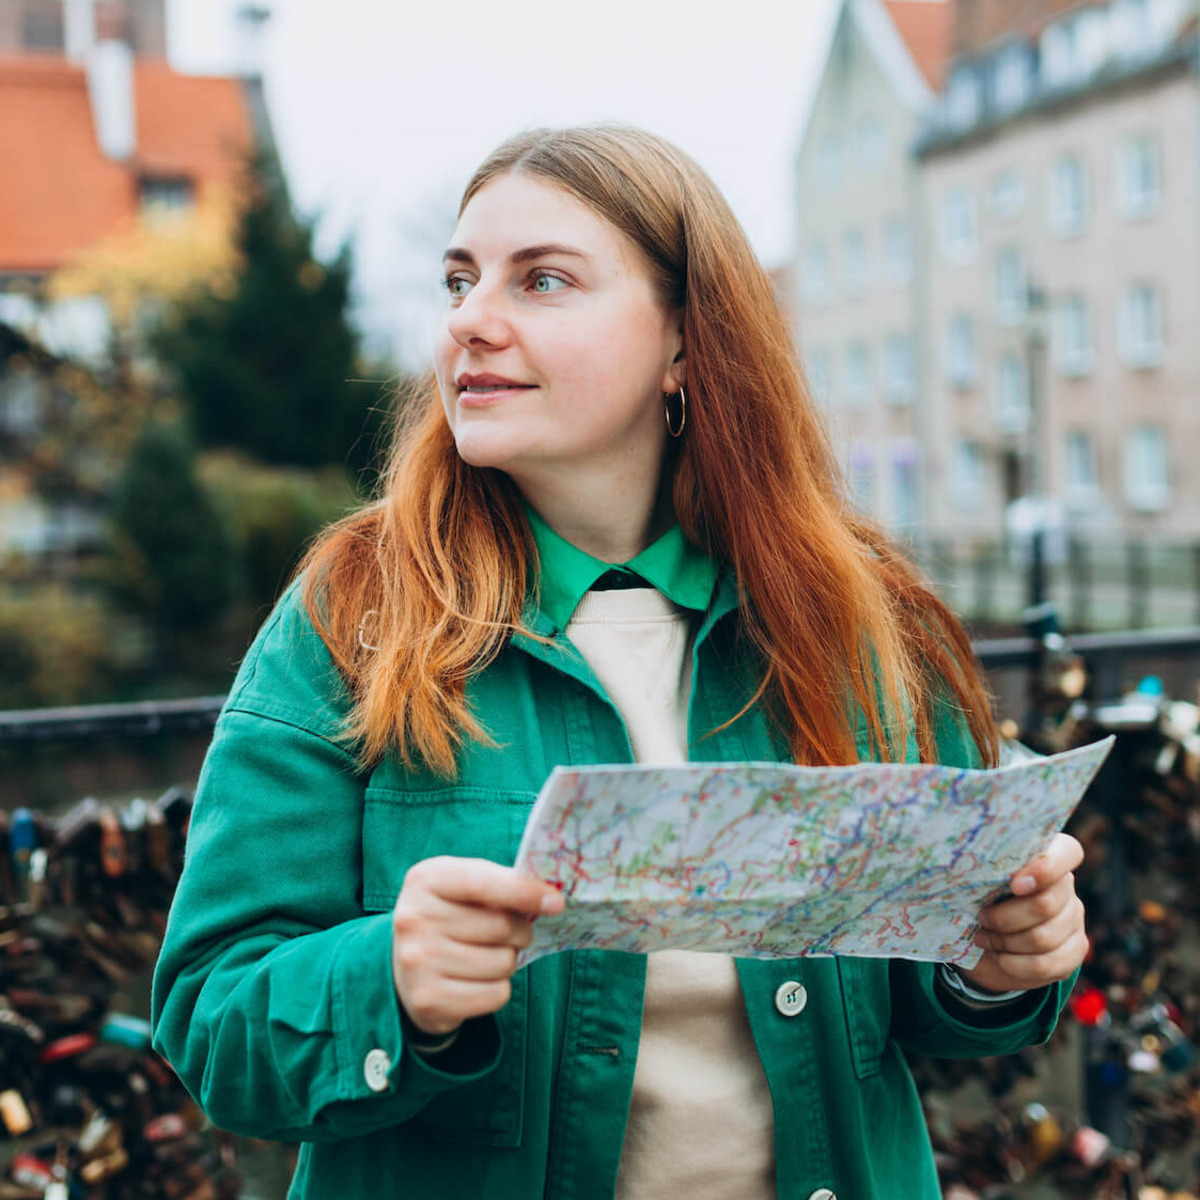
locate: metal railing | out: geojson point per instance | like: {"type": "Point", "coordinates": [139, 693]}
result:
{"type": "Point", "coordinates": [1106, 654]}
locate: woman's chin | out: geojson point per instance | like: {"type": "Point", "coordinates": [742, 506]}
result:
{"type": "Point", "coordinates": [483, 451]}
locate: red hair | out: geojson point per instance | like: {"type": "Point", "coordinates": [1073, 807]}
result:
{"type": "Point", "coordinates": [420, 589]}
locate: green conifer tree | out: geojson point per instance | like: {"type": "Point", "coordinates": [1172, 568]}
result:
{"type": "Point", "coordinates": [265, 368]}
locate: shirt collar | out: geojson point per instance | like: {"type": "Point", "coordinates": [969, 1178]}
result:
{"type": "Point", "coordinates": [681, 571]}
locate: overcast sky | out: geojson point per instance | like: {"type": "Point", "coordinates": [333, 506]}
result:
{"type": "Point", "coordinates": [382, 110]}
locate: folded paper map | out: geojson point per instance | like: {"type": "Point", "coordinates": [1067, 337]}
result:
{"type": "Point", "coordinates": [768, 860]}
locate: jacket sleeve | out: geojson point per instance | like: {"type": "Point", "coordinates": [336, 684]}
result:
{"type": "Point", "coordinates": [924, 1018]}
{"type": "Point", "coordinates": [273, 997]}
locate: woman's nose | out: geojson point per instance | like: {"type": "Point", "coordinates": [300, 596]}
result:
{"type": "Point", "coordinates": [480, 318]}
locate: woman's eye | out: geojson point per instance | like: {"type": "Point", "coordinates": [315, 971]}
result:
{"type": "Point", "coordinates": [548, 283]}
{"type": "Point", "coordinates": [457, 286]}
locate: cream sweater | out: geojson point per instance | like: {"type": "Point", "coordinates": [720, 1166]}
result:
{"type": "Point", "coordinates": [701, 1125]}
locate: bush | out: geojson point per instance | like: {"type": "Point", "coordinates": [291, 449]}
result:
{"type": "Point", "coordinates": [270, 514]}
{"type": "Point", "coordinates": [55, 649]}
{"type": "Point", "coordinates": [171, 557]}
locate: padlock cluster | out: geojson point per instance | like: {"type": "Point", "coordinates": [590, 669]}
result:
{"type": "Point", "coordinates": [1133, 1020]}
{"type": "Point", "coordinates": [88, 1108]}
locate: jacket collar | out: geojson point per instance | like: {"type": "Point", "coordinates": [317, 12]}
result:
{"type": "Point", "coordinates": [672, 565]}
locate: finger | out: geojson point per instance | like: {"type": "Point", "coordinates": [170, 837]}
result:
{"type": "Point", "coordinates": [478, 926]}
{"type": "Point", "coordinates": [1035, 970]}
{"type": "Point", "coordinates": [483, 882]}
{"type": "Point", "coordinates": [1063, 855]}
{"type": "Point", "coordinates": [483, 964]}
{"type": "Point", "coordinates": [1012, 916]}
{"type": "Point", "coordinates": [444, 1004]}
{"type": "Point", "coordinates": [1043, 938]}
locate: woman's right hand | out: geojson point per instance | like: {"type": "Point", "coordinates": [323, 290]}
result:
{"type": "Point", "coordinates": [457, 927]}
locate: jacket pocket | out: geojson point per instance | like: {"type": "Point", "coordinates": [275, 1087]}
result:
{"type": "Point", "coordinates": [867, 1000]}
{"type": "Point", "coordinates": [400, 828]}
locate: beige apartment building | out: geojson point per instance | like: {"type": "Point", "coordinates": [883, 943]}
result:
{"type": "Point", "coordinates": [858, 298]}
{"type": "Point", "coordinates": [1061, 184]}
{"type": "Point", "coordinates": [1049, 180]}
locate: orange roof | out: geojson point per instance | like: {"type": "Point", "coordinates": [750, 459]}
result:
{"type": "Point", "coordinates": [926, 27]}
{"type": "Point", "coordinates": [60, 193]}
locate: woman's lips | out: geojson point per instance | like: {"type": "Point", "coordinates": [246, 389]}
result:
{"type": "Point", "coordinates": [481, 397]}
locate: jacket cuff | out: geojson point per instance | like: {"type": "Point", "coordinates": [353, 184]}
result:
{"type": "Point", "coordinates": [374, 1055]}
{"type": "Point", "coordinates": [998, 1028]}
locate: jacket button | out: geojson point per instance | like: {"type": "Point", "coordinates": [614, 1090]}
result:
{"type": "Point", "coordinates": [822, 1194]}
{"type": "Point", "coordinates": [376, 1066]}
{"type": "Point", "coordinates": [790, 999]}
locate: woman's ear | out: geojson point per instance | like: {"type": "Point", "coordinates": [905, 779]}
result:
{"type": "Point", "coordinates": [676, 376]}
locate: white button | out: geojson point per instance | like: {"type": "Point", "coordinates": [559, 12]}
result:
{"type": "Point", "coordinates": [375, 1070]}
{"type": "Point", "coordinates": [790, 999]}
{"type": "Point", "coordinates": [822, 1194]}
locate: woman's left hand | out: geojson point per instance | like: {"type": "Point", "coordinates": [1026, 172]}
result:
{"type": "Point", "coordinates": [1036, 936]}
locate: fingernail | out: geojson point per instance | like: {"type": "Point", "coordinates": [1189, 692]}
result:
{"type": "Point", "coordinates": [551, 903]}
{"type": "Point", "coordinates": [1024, 884]}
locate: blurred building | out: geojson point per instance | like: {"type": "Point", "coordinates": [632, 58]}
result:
{"type": "Point", "coordinates": [97, 133]}
{"type": "Point", "coordinates": [1052, 186]}
{"type": "Point", "coordinates": [1062, 179]}
{"type": "Point", "coordinates": [859, 305]}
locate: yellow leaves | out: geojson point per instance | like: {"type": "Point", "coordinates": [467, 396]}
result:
{"type": "Point", "coordinates": [157, 259]}
{"type": "Point", "coordinates": [310, 276]}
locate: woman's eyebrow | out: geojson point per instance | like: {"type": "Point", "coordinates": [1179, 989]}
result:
{"type": "Point", "coordinates": [459, 254]}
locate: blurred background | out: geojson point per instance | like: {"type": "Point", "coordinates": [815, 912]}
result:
{"type": "Point", "coordinates": [220, 232]}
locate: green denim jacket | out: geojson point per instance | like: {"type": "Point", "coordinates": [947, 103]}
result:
{"type": "Point", "coordinates": [273, 996]}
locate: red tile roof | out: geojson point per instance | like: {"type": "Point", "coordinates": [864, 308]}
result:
{"type": "Point", "coordinates": [926, 27]}
{"type": "Point", "coordinates": [60, 194]}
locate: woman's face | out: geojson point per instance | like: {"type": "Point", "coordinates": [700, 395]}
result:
{"type": "Point", "coordinates": [555, 348]}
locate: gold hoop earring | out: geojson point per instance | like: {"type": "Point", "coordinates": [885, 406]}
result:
{"type": "Point", "coordinates": [667, 398]}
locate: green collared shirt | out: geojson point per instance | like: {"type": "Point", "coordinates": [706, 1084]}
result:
{"type": "Point", "coordinates": [681, 571]}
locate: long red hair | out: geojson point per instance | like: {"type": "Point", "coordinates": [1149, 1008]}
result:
{"type": "Point", "coordinates": [421, 588]}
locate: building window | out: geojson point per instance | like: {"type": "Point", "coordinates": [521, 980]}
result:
{"type": "Point", "coordinates": [1129, 28]}
{"type": "Point", "coordinates": [1073, 336]}
{"type": "Point", "coordinates": [961, 368]}
{"type": "Point", "coordinates": [830, 160]}
{"type": "Point", "coordinates": [1092, 30]}
{"type": "Point", "coordinates": [1008, 196]}
{"type": "Point", "coordinates": [968, 482]}
{"type": "Point", "coordinates": [906, 499]}
{"type": "Point", "coordinates": [1165, 19]}
{"type": "Point", "coordinates": [42, 26]}
{"type": "Point", "coordinates": [1147, 470]}
{"type": "Point", "coordinates": [959, 229]}
{"type": "Point", "coordinates": [1011, 286]}
{"type": "Point", "coordinates": [854, 262]}
{"type": "Point", "coordinates": [1012, 79]}
{"type": "Point", "coordinates": [1057, 53]}
{"type": "Point", "coordinates": [20, 410]}
{"type": "Point", "coordinates": [1138, 183]}
{"type": "Point", "coordinates": [1082, 476]}
{"type": "Point", "coordinates": [897, 252]}
{"type": "Point", "coordinates": [1012, 395]}
{"type": "Point", "coordinates": [1068, 196]}
{"type": "Point", "coordinates": [870, 144]}
{"type": "Point", "coordinates": [1139, 326]}
{"type": "Point", "coordinates": [963, 98]}
{"type": "Point", "coordinates": [899, 370]}
{"type": "Point", "coordinates": [819, 381]}
{"type": "Point", "coordinates": [858, 375]}
{"type": "Point", "coordinates": [160, 198]}
{"type": "Point", "coordinates": [816, 273]}
{"type": "Point", "coordinates": [862, 476]}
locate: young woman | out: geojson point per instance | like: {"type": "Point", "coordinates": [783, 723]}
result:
{"type": "Point", "coordinates": [611, 531]}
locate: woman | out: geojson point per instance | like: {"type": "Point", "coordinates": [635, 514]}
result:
{"type": "Point", "coordinates": [611, 531]}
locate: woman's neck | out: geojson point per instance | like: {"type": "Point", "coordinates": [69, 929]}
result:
{"type": "Point", "coordinates": [613, 524]}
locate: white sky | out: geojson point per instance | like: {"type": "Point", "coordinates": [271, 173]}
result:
{"type": "Point", "coordinates": [382, 110]}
